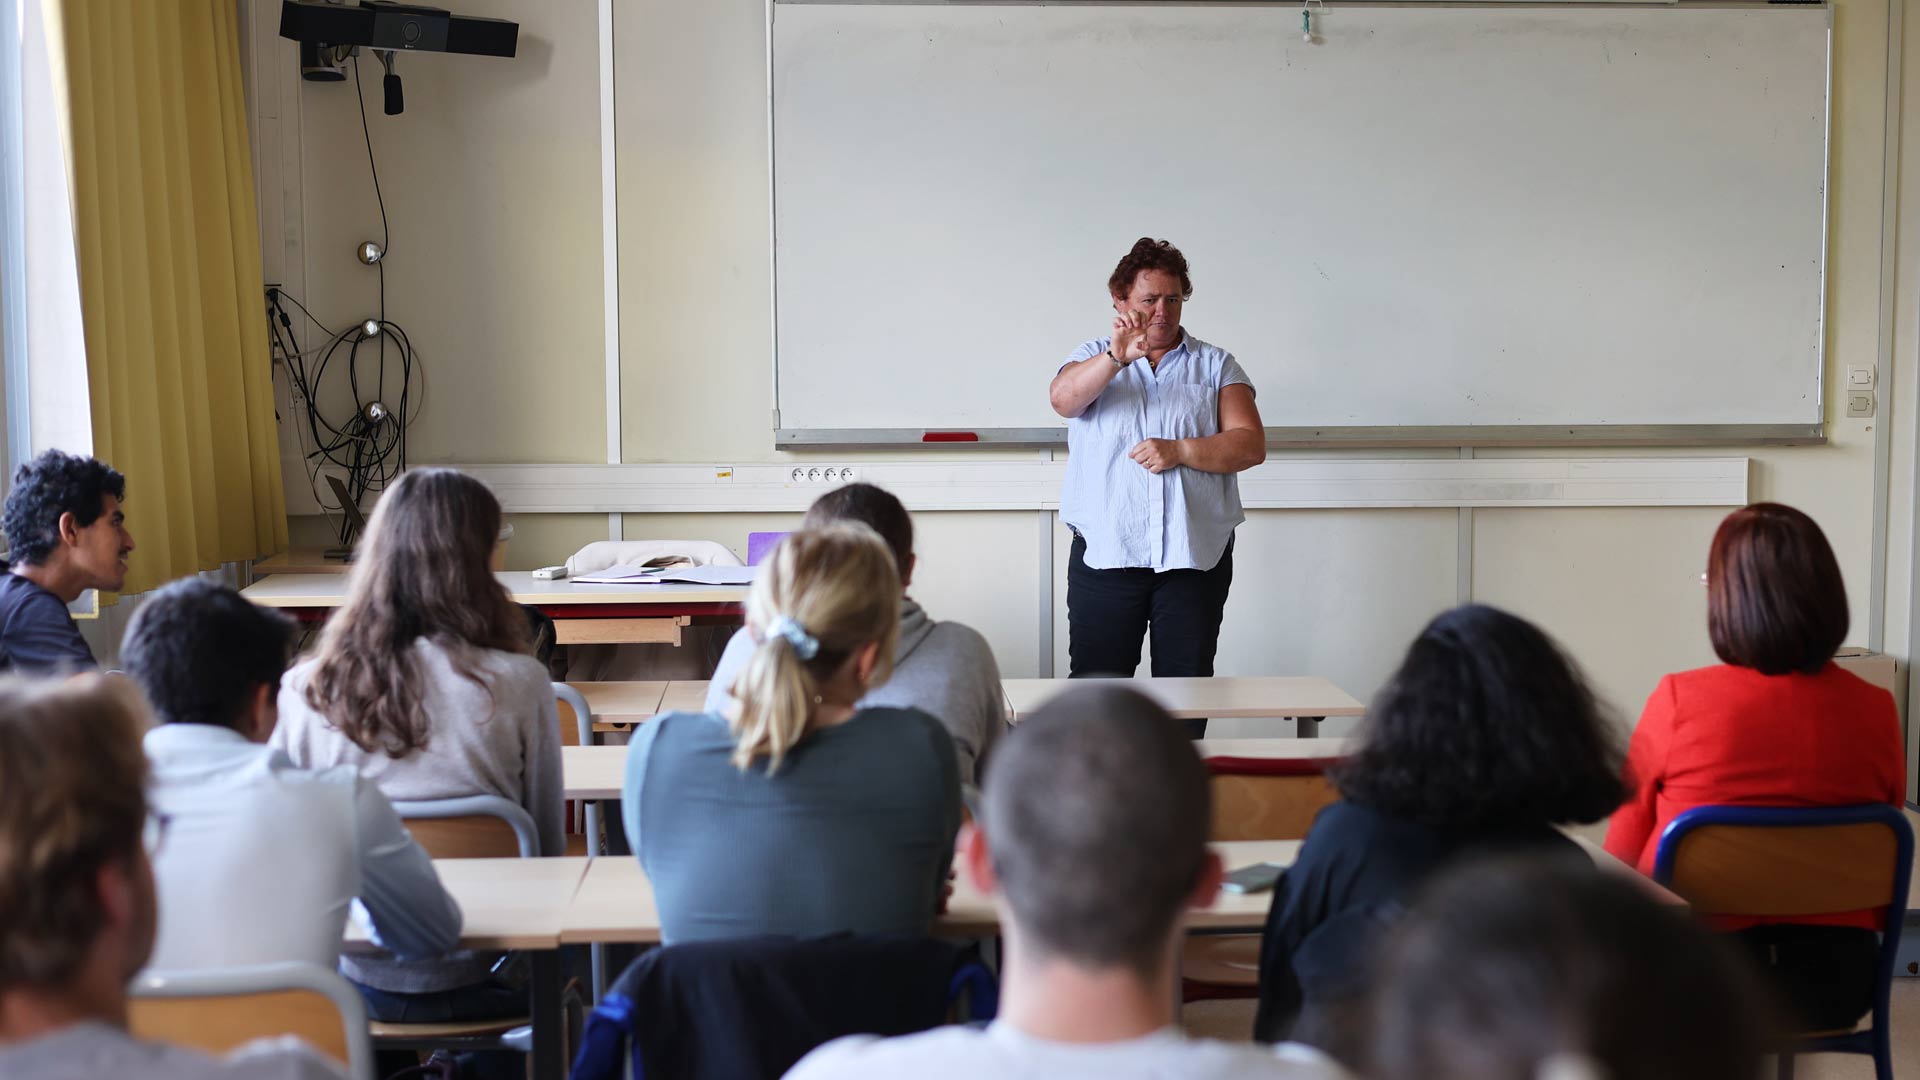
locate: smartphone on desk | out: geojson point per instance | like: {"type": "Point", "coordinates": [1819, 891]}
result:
{"type": "Point", "coordinates": [1252, 879]}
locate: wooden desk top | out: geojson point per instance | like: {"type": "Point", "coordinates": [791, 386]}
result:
{"type": "Point", "coordinates": [593, 772]}
{"type": "Point", "coordinates": [684, 695]}
{"type": "Point", "coordinates": [622, 702]}
{"type": "Point", "coordinates": [616, 904]}
{"type": "Point", "coordinates": [284, 590]}
{"type": "Point", "coordinates": [300, 560]}
{"type": "Point", "coordinates": [598, 772]}
{"type": "Point", "coordinates": [506, 903]}
{"type": "Point", "coordinates": [1221, 697]}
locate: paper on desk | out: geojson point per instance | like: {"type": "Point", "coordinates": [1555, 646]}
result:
{"type": "Point", "coordinates": [618, 575]}
{"type": "Point", "coordinates": [705, 575]}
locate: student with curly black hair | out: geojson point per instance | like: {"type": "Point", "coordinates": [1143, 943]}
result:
{"type": "Point", "coordinates": [67, 534]}
{"type": "Point", "coordinates": [1483, 741]}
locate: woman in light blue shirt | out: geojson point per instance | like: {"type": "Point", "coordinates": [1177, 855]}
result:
{"type": "Point", "coordinates": [1158, 425]}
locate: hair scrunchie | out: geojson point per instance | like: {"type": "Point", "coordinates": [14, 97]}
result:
{"type": "Point", "coordinates": [805, 645]}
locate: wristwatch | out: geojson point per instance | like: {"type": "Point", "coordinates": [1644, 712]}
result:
{"type": "Point", "coordinates": [1116, 360]}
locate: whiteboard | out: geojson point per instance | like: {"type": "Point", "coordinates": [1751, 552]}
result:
{"type": "Point", "coordinates": [1463, 224]}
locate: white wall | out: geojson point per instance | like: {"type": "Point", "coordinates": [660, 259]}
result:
{"type": "Point", "coordinates": [492, 182]}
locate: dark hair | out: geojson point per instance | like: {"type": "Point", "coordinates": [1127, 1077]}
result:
{"type": "Point", "coordinates": [1097, 810]}
{"type": "Point", "coordinates": [1149, 254]}
{"type": "Point", "coordinates": [1502, 965]}
{"type": "Point", "coordinates": [198, 650]}
{"type": "Point", "coordinates": [1485, 724]}
{"type": "Point", "coordinates": [425, 570]}
{"type": "Point", "coordinates": [50, 485]}
{"type": "Point", "coordinates": [1775, 601]}
{"type": "Point", "coordinates": [72, 800]}
{"type": "Point", "coordinates": [874, 507]}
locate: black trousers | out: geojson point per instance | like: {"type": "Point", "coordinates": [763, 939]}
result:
{"type": "Point", "coordinates": [1109, 613]}
{"type": "Point", "coordinates": [1825, 975]}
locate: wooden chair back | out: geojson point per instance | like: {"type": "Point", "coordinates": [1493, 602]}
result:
{"type": "Point", "coordinates": [1785, 871]}
{"type": "Point", "coordinates": [1267, 798]}
{"type": "Point", "coordinates": [219, 1010]}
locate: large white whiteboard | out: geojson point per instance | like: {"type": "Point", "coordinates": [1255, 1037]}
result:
{"type": "Point", "coordinates": [1543, 223]}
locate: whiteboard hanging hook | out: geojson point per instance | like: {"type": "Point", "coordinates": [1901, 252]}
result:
{"type": "Point", "coordinates": [1306, 18]}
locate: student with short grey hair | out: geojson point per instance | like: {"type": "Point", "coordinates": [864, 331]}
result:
{"type": "Point", "coordinates": [1092, 842]}
{"type": "Point", "coordinates": [943, 668]}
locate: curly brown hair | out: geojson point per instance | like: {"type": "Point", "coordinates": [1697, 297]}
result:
{"type": "Point", "coordinates": [1149, 254]}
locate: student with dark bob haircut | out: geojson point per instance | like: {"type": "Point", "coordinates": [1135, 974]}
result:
{"type": "Point", "coordinates": [1778, 724]}
{"type": "Point", "coordinates": [1483, 741]}
{"type": "Point", "coordinates": [1517, 969]}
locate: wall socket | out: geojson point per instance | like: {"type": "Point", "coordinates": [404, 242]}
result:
{"type": "Point", "coordinates": [1859, 403]}
{"type": "Point", "coordinates": [823, 474]}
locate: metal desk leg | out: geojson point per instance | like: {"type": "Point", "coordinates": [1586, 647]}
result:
{"type": "Point", "coordinates": [1307, 727]}
{"type": "Point", "coordinates": [548, 1039]}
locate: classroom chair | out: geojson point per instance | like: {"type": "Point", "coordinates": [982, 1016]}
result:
{"type": "Point", "coordinates": [1782, 862]}
{"type": "Point", "coordinates": [1254, 798]}
{"type": "Point", "coordinates": [471, 827]}
{"type": "Point", "coordinates": [218, 1010]}
{"type": "Point", "coordinates": [752, 1007]}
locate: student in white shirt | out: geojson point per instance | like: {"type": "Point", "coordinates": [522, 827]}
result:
{"type": "Point", "coordinates": [77, 905]}
{"type": "Point", "coordinates": [266, 857]}
{"type": "Point", "coordinates": [1092, 842]}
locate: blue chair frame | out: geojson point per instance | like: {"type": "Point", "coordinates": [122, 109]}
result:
{"type": "Point", "coordinates": [1876, 1039]}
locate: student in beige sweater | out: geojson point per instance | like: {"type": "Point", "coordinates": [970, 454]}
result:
{"type": "Point", "coordinates": [422, 682]}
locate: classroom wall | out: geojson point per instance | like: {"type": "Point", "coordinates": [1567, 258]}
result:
{"type": "Point", "coordinates": [492, 184]}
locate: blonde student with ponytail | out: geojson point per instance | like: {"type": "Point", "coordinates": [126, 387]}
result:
{"type": "Point", "coordinates": [797, 812]}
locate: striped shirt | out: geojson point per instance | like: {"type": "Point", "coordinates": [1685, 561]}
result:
{"type": "Point", "coordinates": [1180, 519]}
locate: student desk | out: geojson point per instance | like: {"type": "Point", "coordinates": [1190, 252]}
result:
{"type": "Point", "coordinates": [597, 772]}
{"type": "Point", "coordinates": [300, 560]}
{"type": "Point", "coordinates": [1308, 699]}
{"type": "Point", "coordinates": [615, 902]}
{"type": "Point", "coordinates": [582, 614]}
{"type": "Point", "coordinates": [514, 904]}
{"type": "Point", "coordinates": [623, 708]}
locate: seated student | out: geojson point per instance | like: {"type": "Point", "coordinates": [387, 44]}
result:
{"type": "Point", "coordinates": [1778, 724]}
{"type": "Point", "coordinates": [1483, 740]}
{"type": "Point", "coordinates": [265, 857]}
{"type": "Point", "coordinates": [802, 813]}
{"type": "Point", "coordinates": [77, 907]}
{"type": "Point", "coordinates": [422, 682]}
{"type": "Point", "coordinates": [1092, 843]}
{"type": "Point", "coordinates": [945, 669]}
{"type": "Point", "coordinates": [1521, 969]}
{"type": "Point", "coordinates": [66, 534]}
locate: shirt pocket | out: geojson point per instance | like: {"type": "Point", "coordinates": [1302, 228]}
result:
{"type": "Point", "coordinates": [1187, 412]}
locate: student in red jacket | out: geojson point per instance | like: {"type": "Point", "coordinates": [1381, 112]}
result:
{"type": "Point", "coordinates": [1778, 724]}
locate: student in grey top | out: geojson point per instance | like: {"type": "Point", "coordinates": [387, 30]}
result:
{"type": "Point", "coordinates": [945, 669]}
{"type": "Point", "coordinates": [77, 900]}
{"type": "Point", "coordinates": [422, 682]}
{"type": "Point", "coordinates": [800, 812]}
{"type": "Point", "coordinates": [266, 857]}
{"type": "Point", "coordinates": [1092, 842]}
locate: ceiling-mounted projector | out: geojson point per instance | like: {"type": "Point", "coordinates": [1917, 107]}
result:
{"type": "Point", "coordinates": [381, 24]}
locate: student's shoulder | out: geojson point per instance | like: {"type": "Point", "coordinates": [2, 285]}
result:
{"type": "Point", "coordinates": [944, 1051]}
{"type": "Point", "coordinates": [284, 1058]}
{"type": "Point", "coordinates": [21, 599]}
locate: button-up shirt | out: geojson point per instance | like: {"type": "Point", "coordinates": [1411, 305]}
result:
{"type": "Point", "coordinates": [261, 860]}
{"type": "Point", "coordinates": [1180, 519]}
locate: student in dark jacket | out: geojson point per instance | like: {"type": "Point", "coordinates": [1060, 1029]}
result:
{"type": "Point", "coordinates": [66, 533]}
{"type": "Point", "coordinates": [1483, 741]}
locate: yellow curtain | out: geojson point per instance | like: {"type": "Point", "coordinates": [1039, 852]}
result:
{"type": "Point", "coordinates": [171, 296]}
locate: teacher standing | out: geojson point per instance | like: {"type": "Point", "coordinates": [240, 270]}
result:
{"type": "Point", "coordinates": [1158, 425]}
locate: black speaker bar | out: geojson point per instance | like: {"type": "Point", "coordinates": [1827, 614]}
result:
{"type": "Point", "coordinates": [382, 24]}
